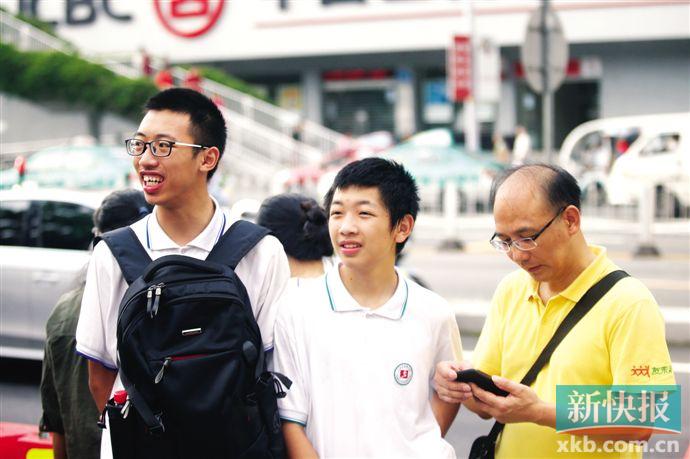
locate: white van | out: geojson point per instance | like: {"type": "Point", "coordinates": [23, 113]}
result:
{"type": "Point", "coordinates": [615, 158]}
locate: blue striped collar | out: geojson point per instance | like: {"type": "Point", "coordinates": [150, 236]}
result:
{"type": "Point", "coordinates": [340, 299]}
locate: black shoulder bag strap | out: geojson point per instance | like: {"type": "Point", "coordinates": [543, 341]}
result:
{"type": "Point", "coordinates": [237, 241]}
{"type": "Point", "coordinates": [128, 251]}
{"type": "Point", "coordinates": [486, 448]}
{"type": "Point", "coordinates": [232, 246]}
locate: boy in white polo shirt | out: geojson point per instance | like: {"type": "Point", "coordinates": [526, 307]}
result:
{"type": "Point", "coordinates": [361, 342]}
{"type": "Point", "coordinates": [175, 151]}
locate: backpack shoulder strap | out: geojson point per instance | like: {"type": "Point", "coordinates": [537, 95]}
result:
{"type": "Point", "coordinates": [237, 241]}
{"type": "Point", "coordinates": [128, 251]}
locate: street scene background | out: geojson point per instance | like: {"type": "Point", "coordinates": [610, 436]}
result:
{"type": "Point", "coordinates": [456, 90]}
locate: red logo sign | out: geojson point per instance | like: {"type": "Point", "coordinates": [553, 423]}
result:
{"type": "Point", "coordinates": [188, 18]}
{"type": "Point", "coordinates": [459, 68]}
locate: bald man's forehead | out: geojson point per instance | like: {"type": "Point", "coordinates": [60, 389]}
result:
{"type": "Point", "coordinates": [522, 200]}
{"type": "Point", "coordinates": [519, 188]}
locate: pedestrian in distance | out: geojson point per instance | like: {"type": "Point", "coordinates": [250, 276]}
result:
{"type": "Point", "coordinates": [522, 146]}
{"type": "Point", "coordinates": [360, 343]}
{"type": "Point", "coordinates": [141, 61]}
{"type": "Point", "coordinates": [69, 411]}
{"type": "Point", "coordinates": [538, 222]}
{"type": "Point", "coordinates": [301, 225]}
{"type": "Point", "coordinates": [193, 79]}
{"type": "Point", "coordinates": [499, 148]}
{"type": "Point", "coordinates": [177, 405]}
{"type": "Point", "coordinates": [164, 77]}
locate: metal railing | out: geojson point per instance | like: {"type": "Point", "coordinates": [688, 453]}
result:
{"type": "Point", "coordinates": [27, 37]}
{"type": "Point", "coordinates": [272, 146]}
{"type": "Point", "coordinates": [268, 115]}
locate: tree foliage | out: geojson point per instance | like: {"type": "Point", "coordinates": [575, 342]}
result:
{"type": "Point", "coordinates": [55, 76]}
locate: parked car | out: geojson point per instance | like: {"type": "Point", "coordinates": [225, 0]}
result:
{"type": "Point", "coordinates": [45, 235]}
{"type": "Point", "coordinates": [434, 158]}
{"type": "Point", "coordinates": [76, 167]}
{"type": "Point", "coordinates": [613, 158]}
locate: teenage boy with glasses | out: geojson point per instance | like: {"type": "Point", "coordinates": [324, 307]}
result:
{"type": "Point", "coordinates": [175, 151]}
{"type": "Point", "coordinates": [623, 330]}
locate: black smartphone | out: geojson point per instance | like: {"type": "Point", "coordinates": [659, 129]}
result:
{"type": "Point", "coordinates": [482, 380]}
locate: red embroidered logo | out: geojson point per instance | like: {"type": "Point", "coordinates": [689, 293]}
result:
{"type": "Point", "coordinates": [403, 374]}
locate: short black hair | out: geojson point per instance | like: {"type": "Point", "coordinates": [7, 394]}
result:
{"type": "Point", "coordinates": [396, 186]}
{"type": "Point", "coordinates": [207, 122]}
{"type": "Point", "coordinates": [559, 187]}
{"type": "Point", "coordinates": [120, 208]}
{"type": "Point", "coordinates": [299, 223]}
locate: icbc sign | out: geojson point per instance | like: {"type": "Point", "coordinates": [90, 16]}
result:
{"type": "Point", "coordinates": [459, 69]}
{"type": "Point", "coordinates": [188, 18]}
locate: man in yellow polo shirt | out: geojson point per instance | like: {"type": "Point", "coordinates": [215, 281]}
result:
{"type": "Point", "coordinates": [538, 225]}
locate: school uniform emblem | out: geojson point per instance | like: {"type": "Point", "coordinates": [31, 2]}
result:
{"type": "Point", "coordinates": [403, 374]}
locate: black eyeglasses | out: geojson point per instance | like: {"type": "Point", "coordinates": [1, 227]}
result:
{"type": "Point", "coordinates": [526, 243]}
{"type": "Point", "coordinates": [160, 148]}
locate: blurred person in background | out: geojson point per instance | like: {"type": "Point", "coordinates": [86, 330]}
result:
{"type": "Point", "coordinates": [141, 61]}
{"type": "Point", "coordinates": [69, 411]}
{"type": "Point", "coordinates": [300, 224]}
{"type": "Point", "coordinates": [192, 79]}
{"type": "Point", "coordinates": [522, 146]}
{"type": "Point", "coordinates": [164, 78]}
{"type": "Point", "coordinates": [500, 149]}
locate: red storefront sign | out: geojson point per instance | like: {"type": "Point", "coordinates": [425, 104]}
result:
{"type": "Point", "coordinates": [459, 69]}
{"type": "Point", "coordinates": [188, 18]}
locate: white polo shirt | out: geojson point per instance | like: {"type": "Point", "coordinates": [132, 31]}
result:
{"type": "Point", "coordinates": [362, 377]}
{"type": "Point", "coordinates": [264, 271]}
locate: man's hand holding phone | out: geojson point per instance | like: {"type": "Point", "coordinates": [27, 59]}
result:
{"type": "Point", "coordinates": [506, 401]}
{"type": "Point", "coordinates": [482, 380]}
{"type": "Point", "coordinates": [448, 389]}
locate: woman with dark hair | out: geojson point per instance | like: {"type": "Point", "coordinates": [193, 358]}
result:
{"type": "Point", "coordinates": [68, 408]}
{"type": "Point", "coordinates": [301, 225]}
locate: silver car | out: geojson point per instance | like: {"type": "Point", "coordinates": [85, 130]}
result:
{"type": "Point", "coordinates": [45, 235]}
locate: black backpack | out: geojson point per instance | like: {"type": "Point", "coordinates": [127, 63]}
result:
{"type": "Point", "coordinates": [191, 356]}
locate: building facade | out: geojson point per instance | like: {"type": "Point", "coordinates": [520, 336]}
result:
{"type": "Point", "coordinates": [365, 65]}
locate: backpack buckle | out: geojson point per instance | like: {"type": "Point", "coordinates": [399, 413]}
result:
{"type": "Point", "coordinates": [158, 429]}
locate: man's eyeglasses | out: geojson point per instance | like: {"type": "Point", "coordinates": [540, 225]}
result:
{"type": "Point", "coordinates": [526, 243]}
{"type": "Point", "coordinates": [160, 148]}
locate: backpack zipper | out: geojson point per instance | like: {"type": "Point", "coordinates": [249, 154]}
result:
{"type": "Point", "coordinates": [157, 300]}
{"type": "Point", "coordinates": [168, 360]}
{"type": "Point", "coordinates": [149, 297]}
{"type": "Point", "coordinates": [150, 291]}
{"type": "Point", "coordinates": [136, 320]}
{"type": "Point", "coordinates": [159, 375]}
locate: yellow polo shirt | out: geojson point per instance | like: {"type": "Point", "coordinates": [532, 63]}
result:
{"type": "Point", "coordinates": [624, 330]}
